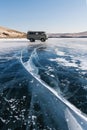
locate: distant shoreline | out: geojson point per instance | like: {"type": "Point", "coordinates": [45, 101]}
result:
{"type": "Point", "coordinates": [68, 35]}
{"type": "Point", "coordinates": [7, 33]}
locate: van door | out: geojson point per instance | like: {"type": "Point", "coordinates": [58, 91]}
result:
{"type": "Point", "coordinates": [37, 36]}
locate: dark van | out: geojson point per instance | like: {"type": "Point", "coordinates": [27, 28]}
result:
{"type": "Point", "coordinates": [36, 35]}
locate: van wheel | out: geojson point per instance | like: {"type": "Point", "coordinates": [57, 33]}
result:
{"type": "Point", "coordinates": [43, 40]}
{"type": "Point", "coordinates": [32, 40]}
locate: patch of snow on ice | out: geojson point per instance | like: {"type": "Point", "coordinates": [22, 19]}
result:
{"type": "Point", "coordinates": [59, 52]}
{"type": "Point", "coordinates": [64, 62]}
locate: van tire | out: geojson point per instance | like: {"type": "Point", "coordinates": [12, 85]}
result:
{"type": "Point", "coordinates": [32, 40]}
{"type": "Point", "coordinates": [43, 40]}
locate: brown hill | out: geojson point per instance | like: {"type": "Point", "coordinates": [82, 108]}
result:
{"type": "Point", "coordinates": [10, 33]}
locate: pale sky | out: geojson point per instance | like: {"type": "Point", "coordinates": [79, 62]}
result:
{"type": "Point", "coordinates": [45, 15]}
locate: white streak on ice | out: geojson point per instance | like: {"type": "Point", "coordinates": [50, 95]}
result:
{"type": "Point", "coordinates": [71, 121]}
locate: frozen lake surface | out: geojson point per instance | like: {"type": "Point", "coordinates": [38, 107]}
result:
{"type": "Point", "coordinates": [43, 86]}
